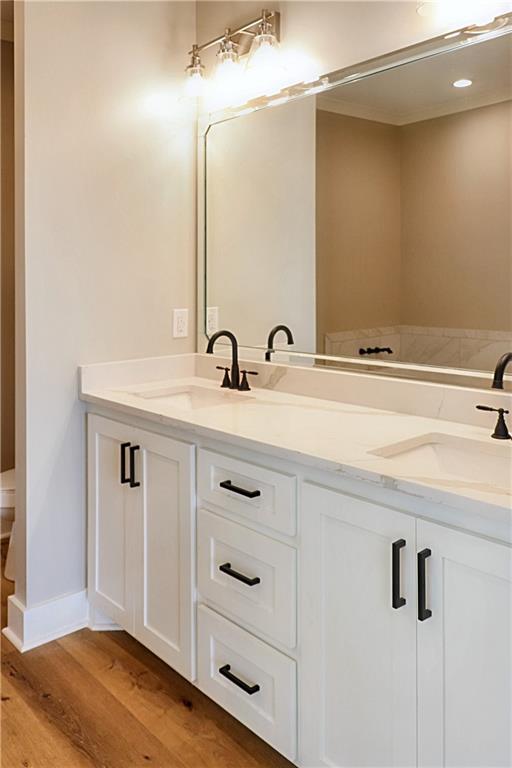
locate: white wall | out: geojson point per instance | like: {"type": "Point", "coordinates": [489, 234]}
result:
{"type": "Point", "coordinates": [254, 240]}
{"type": "Point", "coordinates": [109, 190]}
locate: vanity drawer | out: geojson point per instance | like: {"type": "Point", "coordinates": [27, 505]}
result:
{"type": "Point", "coordinates": [253, 492]}
{"type": "Point", "coordinates": [257, 583]}
{"type": "Point", "coordinates": [257, 684]}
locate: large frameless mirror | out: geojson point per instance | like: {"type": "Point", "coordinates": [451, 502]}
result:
{"type": "Point", "coordinates": [372, 217]}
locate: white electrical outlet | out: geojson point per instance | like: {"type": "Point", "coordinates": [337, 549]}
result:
{"type": "Point", "coordinates": [180, 323]}
{"type": "Point", "coordinates": [212, 320]}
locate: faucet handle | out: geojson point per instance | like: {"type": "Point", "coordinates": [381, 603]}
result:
{"type": "Point", "coordinates": [244, 384]}
{"type": "Point", "coordinates": [226, 381]}
{"type": "Point", "coordinates": [491, 410]}
{"type": "Point", "coordinates": [501, 430]}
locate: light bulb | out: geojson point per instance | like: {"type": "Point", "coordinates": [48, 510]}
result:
{"type": "Point", "coordinates": [463, 83]}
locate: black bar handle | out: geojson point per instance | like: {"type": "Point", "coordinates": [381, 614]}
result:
{"type": "Point", "coordinates": [423, 611]}
{"type": "Point", "coordinates": [225, 671]}
{"type": "Point", "coordinates": [396, 600]}
{"type": "Point", "coordinates": [228, 486]}
{"type": "Point", "coordinates": [133, 449]}
{"type": "Point", "coordinates": [123, 478]}
{"type": "Point", "coordinates": [226, 568]}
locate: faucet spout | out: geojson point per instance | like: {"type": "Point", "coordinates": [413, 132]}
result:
{"type": "Point", "coordinates": [501, 365]}
{"type": "Point", "coordinates": [235, 368]}
{"type": "Point", "coordinates": [271, 336]}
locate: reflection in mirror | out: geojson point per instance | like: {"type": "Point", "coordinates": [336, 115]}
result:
{"type": "Point", "coordinates": [373, 219]}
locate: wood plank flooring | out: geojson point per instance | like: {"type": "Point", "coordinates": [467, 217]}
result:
{"type": "Point", "coordinates": [102, 700]}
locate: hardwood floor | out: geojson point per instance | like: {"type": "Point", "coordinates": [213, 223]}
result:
{"type": "Point", "coordinates": [101, 699]}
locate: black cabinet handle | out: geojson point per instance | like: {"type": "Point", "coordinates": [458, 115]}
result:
{"type": "Point", "coordinates": [124, 479]}
{"type": "Point", "coordinates": [133, 449]}
{"type": "Point", "coordinates": [396, 600]}
{"type": "Point", "coordinates": [423, 611]}
{"type": "Point", "coordinates": [225, 671]}
{"type": "Point", "coordinates": [228, 486]}
{"type": "Point", "coordinates": [226, 568]}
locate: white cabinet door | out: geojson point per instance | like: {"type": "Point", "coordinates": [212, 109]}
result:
{"type": "Point", "coordinates": [358, 676]}
{"type": "Point", "coordinates": [465, 651]}
{"type": "Point", "coordinates": [111, 506]}
{"type": "Point", "coordinates": [166, 561]}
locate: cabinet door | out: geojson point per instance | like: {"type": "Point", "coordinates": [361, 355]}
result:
{"type": "Point", "coordinates": [464, 651]}
{"type": "Point", "coordinates": [166, 563]}
{"type": "Point", "coordinates": [111, 506]}
{"type": "Point", "coordinates": [358, 680]}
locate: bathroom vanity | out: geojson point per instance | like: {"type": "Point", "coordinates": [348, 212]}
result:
{"type": "Point", "coordinates": [337, 576]}
{"type": "Point", "coordinates": [328, 555]}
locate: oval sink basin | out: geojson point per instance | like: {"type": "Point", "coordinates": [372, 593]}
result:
{"type": "Point", "coordinates": [457, 460]}
{"type": "Point", "coordinates": [192, 397]}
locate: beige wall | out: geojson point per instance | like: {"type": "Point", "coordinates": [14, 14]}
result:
{"type": "Point", "coordinates": [414, 222]}
{"type": "Point", "coordinates": [456, 220]}
{"type": "Point", "coordinates": [7, 257]}
{"type": "Point", "coordinates": [358, 224]}
{"type": "Point", "coordinates": [108, 202]}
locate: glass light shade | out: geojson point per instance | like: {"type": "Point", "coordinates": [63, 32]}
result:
{"type": "Point", "coordinates": [265, 70]}
{"type": "Point", "coordinates": [227, 86]}
{"type": "Point", "coordinates": [195, 84]}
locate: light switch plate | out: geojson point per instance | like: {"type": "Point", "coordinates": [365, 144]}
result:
{"type": "Point", "coordinates": [212, 320]}
{"type": "Point", "coordinates": [180, 323]}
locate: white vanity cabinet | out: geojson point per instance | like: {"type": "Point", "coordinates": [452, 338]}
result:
{"type": "Point", "coordinates": [425, 683]}
{"type": "Point", "coordinates": [141, 538]}
{"type": "Point", "coordinates": [465, 651]}
{"type": "Point", "coordinates": [358, 654]}
{"type": "Point", "coordinates": [332, 620]}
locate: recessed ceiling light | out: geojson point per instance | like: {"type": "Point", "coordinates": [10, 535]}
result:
{"type": "Point", "coordinates": [462, 83]}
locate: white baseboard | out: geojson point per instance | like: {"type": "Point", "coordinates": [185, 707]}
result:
{"type": "Point", "coordinates": [30, 627]}
{"type": "Point", "coordinates": [99, 622]}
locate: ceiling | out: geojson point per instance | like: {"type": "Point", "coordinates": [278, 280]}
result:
{"type": "Point", "coordinates": [424, 89]}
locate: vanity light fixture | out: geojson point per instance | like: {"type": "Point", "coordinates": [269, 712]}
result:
{"type": "Point", "coordinates": [264, 67]}
{"type": "Point", "coordinates": [195, 77]}
{"type": "Point", "coordinates": [463, 83]}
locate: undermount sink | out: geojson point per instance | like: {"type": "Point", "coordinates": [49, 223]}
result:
{"type": "Point", "coordinates": [453, 461]}
{"type": "Point", "coordinates": [191, 397]}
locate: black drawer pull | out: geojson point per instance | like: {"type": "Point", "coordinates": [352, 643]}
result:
{"type": "Point", "coordinates": [423, 611]}
{"type": "Point", "coordinates": [228, 486]}
{"type": "Point", "coordinates": [124, 479]}
{"type": "Point", "coordinates": [396, 600]}
{"type": "Point", "coordinates": [226, 568]}
{"type": "Point", "coordinates": [133, 449]}
{"type": "Point", "coordinates": [225, 671]}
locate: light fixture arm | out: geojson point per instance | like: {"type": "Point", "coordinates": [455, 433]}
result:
{"type": "Point", "coordinates": [266, 17]}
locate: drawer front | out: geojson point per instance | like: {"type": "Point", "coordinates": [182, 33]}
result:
{"type": "Point", "coordinates": [251, 680]}
{"type": "Point", "coordinates": [248, 575]}
{"type": "Point", "coordinates": [256, 493]}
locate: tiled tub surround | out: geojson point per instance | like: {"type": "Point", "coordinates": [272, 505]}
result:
{"type": "Point", "coordinates": [232, 550]}
{"type": "Point", "coordinates": [452, 347]}
{"type": "Point", "coordinates": [350, 416]}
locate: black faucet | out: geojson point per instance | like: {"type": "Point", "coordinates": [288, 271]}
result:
{"type": "Point", "coordinates": [502, 363]}
{"type": "Point", "coordinates": [270, 342]}
{"type": "Point", "coordinates": [501, 430]}
{"type": "Point", "coordinates": [234, 381]}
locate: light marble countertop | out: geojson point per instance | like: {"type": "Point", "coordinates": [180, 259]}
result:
{"type": "Point", "coordinates": [323, 433]}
